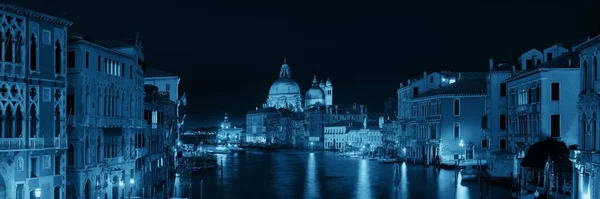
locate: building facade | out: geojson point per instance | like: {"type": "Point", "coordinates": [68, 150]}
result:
{"type": "Point", "coordinates": [152, 149]}
{"type": "Point", "coordinates": [586, 159]}
{"type": "Point", "coordinates": [413, 88]}
{"type": "Point", "coordinates": [105, 108]}
{"type": "Point", "coordinates": [228, 133]}
{"type": "Point", "coordinates": [33, 141]}
{"type": "Point", "coordinates": [446, 122]}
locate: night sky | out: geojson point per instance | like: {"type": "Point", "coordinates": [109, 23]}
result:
{"type": "Point", "coordinates": [228, 53]}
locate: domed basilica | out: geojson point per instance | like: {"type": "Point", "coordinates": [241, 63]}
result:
{"type": "Point", "coordinates": [285, 93]}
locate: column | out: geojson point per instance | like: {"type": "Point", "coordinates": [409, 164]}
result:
{"type": "Point", "coordinates": [574, 182]}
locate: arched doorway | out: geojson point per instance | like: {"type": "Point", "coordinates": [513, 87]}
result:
{"type": "Point", "coordinates": [71, 192]}
{"type": "Point", "coordinates": [57, 192]}
{"type": "Point", "coordinates": [87, 190]}
{"type": "Point", "coordinates": [2, 187]}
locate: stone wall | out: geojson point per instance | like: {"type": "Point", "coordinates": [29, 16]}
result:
{"type": "Point", "coordinates": [501, 165]}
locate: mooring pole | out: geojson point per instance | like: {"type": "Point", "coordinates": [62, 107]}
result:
{"type": "Point", "coordinates": [201, 189]}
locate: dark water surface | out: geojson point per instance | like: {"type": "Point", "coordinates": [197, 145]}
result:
{"type": "Point", "coordinates": [303, 174]}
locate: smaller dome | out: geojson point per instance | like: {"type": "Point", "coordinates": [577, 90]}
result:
{"type": "Point", "coordinates": [315, 93]}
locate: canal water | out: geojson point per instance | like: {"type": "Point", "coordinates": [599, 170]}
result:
{"type": "Point", "coordinates": [320, 174]}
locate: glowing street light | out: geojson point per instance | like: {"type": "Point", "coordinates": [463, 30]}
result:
{"type": "Point", "coordinates": [38, 192]}
{"type": "Point", "coordinates": [121, 183]}
{"type": "Point", "coordinates": [131, 181]}
{"type": "Point", "coordinates": [461, 144]}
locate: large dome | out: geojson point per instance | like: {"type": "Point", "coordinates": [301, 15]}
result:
{"type": "Point", "coordinates": [315, 93]}
{"type": "Point", "coordinates": [284, 86]}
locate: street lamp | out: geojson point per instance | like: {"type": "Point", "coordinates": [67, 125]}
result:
{"type": "Point", "coordinates": [122, 185]}
{"type": "Point", "coordinates": [131, 181]}
{"type": "Point", "coordinates": [461, 144]}
{"type": "Point", "coordinates": [311, 145]}
{"type": "Point", "coordinates": [38, 192]}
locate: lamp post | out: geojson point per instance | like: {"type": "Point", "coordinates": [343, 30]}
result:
{"type": "Point", "coordinates": [122, 185]}
{"type": "Point", "coordinates": [311, 145]}
{"type": "Point", "coordinates": [132, 182]}
{"type": "Point", "coordinates": [38, 192]}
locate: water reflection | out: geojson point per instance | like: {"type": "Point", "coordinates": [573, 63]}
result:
{"type": "Point", "coordinates": [363, 186]}
{"type": "Point", "coordinates": [461, 191]}
{"type": "Point", "coordinates": [404, 181]}
{"type": "Point", "coordinates": [312, 184]}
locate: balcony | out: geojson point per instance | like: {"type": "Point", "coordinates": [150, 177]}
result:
{"type": "Point", "coordinates": [36, 143]}
{"type": "Point", "coordinates": [527, 138]}
{"type": "Point", "coordinates": [12, 144]}
{"type": "Point", "coordinates": [140, 152]}
{"type": "Point", "coordinates": [586, 156]}
{"type": "Point", "coordinates": [115, 160]}
{"type": "Point", "coordinates": [60, 142]}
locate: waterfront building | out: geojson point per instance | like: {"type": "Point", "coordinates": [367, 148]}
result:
{"type": "Point", "coordinates": [33, 142]}
{"type": "Point", "coordinates": [350, 135]}
{"type": "Point", "coordinates": [336, 134]}
{"type": "Point", "coordinates": [300, 125]}
{"type": "Point", "coordinates": [201, 135]}
{"type": "Point", "coordinates": [228, 133]}
{"type": "Point", "coordinates": [586, 158]}
{"type": "Point", "coordinates": [538, 100]}
{"type": "Point", "coordinates": [152, 149]}
{"type": "Point", "coordinates": [368, 138]}
{"type": "Point", "coordinates": [446, 121]}
{"type": "Point", "coordinates": [105, 108]}
{"type": "Point", "coordinates": [413, 88]}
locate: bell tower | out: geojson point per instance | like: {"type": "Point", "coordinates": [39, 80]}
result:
{"type": "Point", "coordinates": [328, 90]}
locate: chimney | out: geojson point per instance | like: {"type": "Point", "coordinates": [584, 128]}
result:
{"type": "Point", "coordinates": [425, 79]}
{"type": "Point", "coordinates": [381, 122]}
{"type": "Point", "coordinates": [459, 76]}
{"type": "Point", "coordinates": [362, 109]}
{"type": "Point", "coordinates": [491, 63]}
{"type": "Point", "coordinates": [336, 110]}
{"type": "Point", "coordinates": [401, 85]}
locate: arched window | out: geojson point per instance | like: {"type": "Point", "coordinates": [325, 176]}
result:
{"type": "Point", "coordinates": [33, 53]}
{"type": "Point", "coordinates": [98, 150]}
{"type": "Point", "coordinates": [33, 121]}
{"type": "Point", "coordinates": [585, 75]}
{"type": "Point", "coordinates": [19, 122]}
{"type": "Point", "coordinates": [56, 121]}
{"type": "Point", "coordinates": [9, 46]}
{"type": "Point", "coordinates": [595, 69]}
{"type": "Point", "coordinates": [584, 129]}
{"type": "Point", "coordinates": [71, 155]}
{"type": "Point", "coordinates": [456, 107]}
{"type": "Point", "coordinates": [87, 150]}
{"type": "Point", "coordinates": [594, 132]}
{"type": "Point", "coordinates": [123, 146]}
{"type": "Point", "coordinates": [57, 58]}
{"type": "Point", "coordinates": [8, 122]}
{"type": "Point", "coordinates": [456, 130]}
{"type": "Point", "coordinates": [18, 48]}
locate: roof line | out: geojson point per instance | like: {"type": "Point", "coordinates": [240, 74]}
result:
{"type": "Point", "coordinates": [38, 15]}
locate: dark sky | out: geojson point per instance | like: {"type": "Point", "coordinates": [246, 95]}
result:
{"type": "Point", "coordinates": [228, 52]}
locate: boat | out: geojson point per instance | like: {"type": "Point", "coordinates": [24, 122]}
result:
{"type": "Point", "coordinates": [468, 174]}
{"type": "Point", "coordinates": [390, 161]}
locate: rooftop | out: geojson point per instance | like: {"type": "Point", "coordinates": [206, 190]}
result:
{"type": "Point", "coordinates": [30, 13]}
{"type": "Point", "coordinates": [470, 83]}
{"type": "Point", "coordinates": [153, 72]}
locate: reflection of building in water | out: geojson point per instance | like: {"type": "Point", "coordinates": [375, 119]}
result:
{"type": "Point", "coordinates": [228, 133]}
{"type": "Point", "coordinates": [284, 120]}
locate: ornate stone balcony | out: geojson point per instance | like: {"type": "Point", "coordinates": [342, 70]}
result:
{"type": "Point", "coordinates": [36, 143]}
{"type": "Point", "coordinates": [12, 144]}
{"type": "Point", "coordinates": [586, 156]}
{"type": "Point", "coordinates": [60, 142]}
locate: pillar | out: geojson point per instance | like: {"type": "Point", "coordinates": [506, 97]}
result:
{"type": "Point", "coordinates": [574, 182]}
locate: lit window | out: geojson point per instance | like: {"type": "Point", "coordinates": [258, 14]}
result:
{"type": "Point", "coordinates": [154, 119]}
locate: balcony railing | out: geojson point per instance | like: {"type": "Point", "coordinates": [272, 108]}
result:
{"type": "Point", "coordinates": [11, 143]}
{"type": "Point", "coordinates": [36, 143]}
{"type": "Point", "coordinates": [60, 142]}
{"type": "Point", "coordinates": [586, 156]}
{"type": "Point", "coordinates": [140, 152]}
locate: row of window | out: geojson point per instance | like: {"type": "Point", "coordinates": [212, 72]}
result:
{"type": "Point", "coordinates": [523, 96]}
{"type": "Point", "coordinates": [587, 74]}
{"type": "Point", "coordinates": [46, 162]}
{"type": "Point", "coordinates": [111, 67]}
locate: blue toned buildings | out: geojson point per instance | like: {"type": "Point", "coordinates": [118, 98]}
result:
{"type": "Point", "coordinates": [33, 142]}
{"type": "Point", "coordinates": [105, 107]}
{"type": "Point", "coordinates": [586, 159]}
{"type": "Point", "coordinates": [406, 93]}
{"type": "Point", "coordinates": [446, 121]}
{"type": "Point", "coordinates": [539, 104]}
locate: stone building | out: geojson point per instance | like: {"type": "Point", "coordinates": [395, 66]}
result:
{"type": "Point", "coordinates": [529, 104]}
{"type": "Point", "coordinates": [33, 141]}
{"type": "Point", "coordinates": [152, 149]}
{"type": "Point", "coordinates": [586, 158]}
{"type": "Point", "coordinates": [406, 93]}
{"type": "Point", "coordinates": [105, 107]}
{"type": "Point", "coordinates": [228, 133]}
{"type": "Point", "coordinates": [446, 121]}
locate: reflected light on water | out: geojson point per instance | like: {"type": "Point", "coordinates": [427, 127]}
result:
{"type": "Point", "coordinates": [403, 181]}
{"type": "Point", "coordinates": [363, 186]}
{"type": "Point", "coordinates": [461, 191]}
{"type": "Point", "coordinates": [312, 183]}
